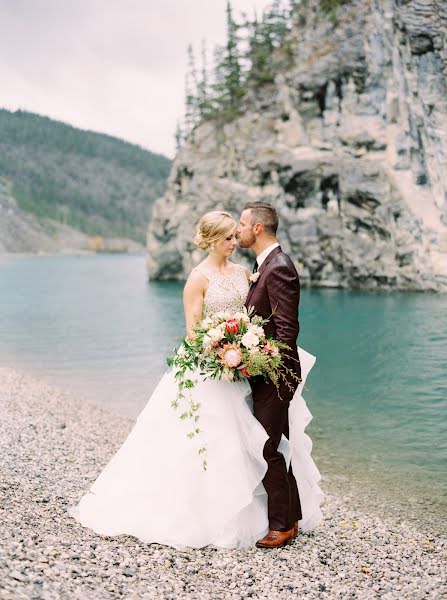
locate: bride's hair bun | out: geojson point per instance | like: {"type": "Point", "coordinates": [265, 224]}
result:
{"type": "Point", "coordinates": [213, 227]}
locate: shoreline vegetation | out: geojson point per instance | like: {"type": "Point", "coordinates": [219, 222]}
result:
{"type": "Point", "coordinates": [54, 446]}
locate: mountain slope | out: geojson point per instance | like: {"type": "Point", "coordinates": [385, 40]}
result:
{"type": "Point", "coordinates": [92, 182]}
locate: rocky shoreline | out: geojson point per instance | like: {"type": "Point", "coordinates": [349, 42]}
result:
{"type": "Point", "coordinates": [53, 447]}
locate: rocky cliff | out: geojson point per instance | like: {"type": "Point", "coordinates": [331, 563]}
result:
{"type": "Point", "coordinates": [350, 145]}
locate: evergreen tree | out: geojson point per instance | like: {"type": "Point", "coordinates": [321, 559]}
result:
{"type": "Point", "coordinates": [294, 9]}
{"type": "Point", "coordinates": [192, 113]}
{"type": "Point", "coordinates": [204, 100]}
{"type": "Point", "coordinates": [259, 53]}
{"type": "Point", "coordinates": [276, 23]}
{"type": "Point", "coordinates": [228, 87]}
{"type": "Point", "coordinates": [268, 44]}
{"type": "Point", "coordinates": [250, 58]}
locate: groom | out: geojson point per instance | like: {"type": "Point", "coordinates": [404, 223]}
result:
{"type": "Point", "coordinates": [275, 296]}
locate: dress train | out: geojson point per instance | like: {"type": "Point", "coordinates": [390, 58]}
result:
{"type": "Point", "coordinates": [155, 488]}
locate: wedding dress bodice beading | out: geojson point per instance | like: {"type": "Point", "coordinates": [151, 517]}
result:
{"type": "Point", "coordinates": [226, 291]}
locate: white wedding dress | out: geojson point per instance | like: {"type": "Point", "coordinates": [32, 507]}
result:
{"type": "Point", "coordinates": [155, 488]}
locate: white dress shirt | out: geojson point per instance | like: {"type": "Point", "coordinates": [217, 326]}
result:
{"type": "Point", "coordinates": [261, 258]}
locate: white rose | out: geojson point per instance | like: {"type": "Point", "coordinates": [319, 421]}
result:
{"type": "Point", "coordinates": [216, 334]}
{"type": "Point", "coordinates": [242, 316]}
{"type": "Point", "coordinates": [207, 341]}
{"type": "Point", "coordinates": [207, 323]}
{"type": "Point", "coordinates": [227, 375]}
{"type": "Point", "coordinates": [256, 330]}
{"type": "Point", "coordinates": [222, 316]}
{"type": "Point", "coordinates": [250, 339]}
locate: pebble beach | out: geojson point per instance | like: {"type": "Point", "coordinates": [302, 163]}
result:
{"type": "Point", "coordinates": [53, 446]}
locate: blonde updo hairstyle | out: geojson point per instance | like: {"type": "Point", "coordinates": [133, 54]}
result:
{"type": "Point", "coordinates": [213, 227]}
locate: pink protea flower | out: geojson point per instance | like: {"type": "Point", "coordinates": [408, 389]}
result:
{"type": "Point", "coordinates": [230, 355]}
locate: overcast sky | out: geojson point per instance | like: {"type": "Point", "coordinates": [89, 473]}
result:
{"type": "Point", "coordinates": [108, 65]}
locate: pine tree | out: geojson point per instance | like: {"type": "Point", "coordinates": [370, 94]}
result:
{"type": "Point", "coordinates": [228, 87]}
{"type": "Point", "coordinates": [234, 74]}
{"type": "Point", "coordinates": [204, 100]}
{"type": "Point", "coordinates": [218, 86]}
{"type": "Point", "coordinates": [276, 22]}
{"type": "Point", "coordinates": [192, 113]}
{"type": "Point", "coordinates": [268, 43]}
{"type": "Point", "coordinates": [253, 52]}
{"type": "Point", "coordinates": [294, 8]}
{"type": "Point", "coordinates": [259, 52]}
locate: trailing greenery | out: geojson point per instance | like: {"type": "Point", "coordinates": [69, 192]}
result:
{"type": "Point", "coordinates": [90, 181]}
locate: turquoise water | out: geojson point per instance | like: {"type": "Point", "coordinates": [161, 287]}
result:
{"type": "Point", "coordinates": [378, 392]}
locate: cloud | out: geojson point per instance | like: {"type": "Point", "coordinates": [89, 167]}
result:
{"type": "Point", "coordinates": [106, 65]}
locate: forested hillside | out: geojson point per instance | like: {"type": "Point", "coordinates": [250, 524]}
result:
{"type": "Point", "coordinates": [93, 182]}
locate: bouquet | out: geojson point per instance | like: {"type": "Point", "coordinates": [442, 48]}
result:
{"type": "Point", "coordinates": [232, 347]}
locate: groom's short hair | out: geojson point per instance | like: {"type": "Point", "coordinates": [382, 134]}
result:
{"type": "Point", "coordinates": [264, 213]}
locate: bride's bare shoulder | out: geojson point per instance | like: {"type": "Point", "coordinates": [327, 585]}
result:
{"type": "Point", "coordinates": [196, 277]}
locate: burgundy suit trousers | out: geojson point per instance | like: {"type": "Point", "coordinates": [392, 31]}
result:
{"type": "Point", "coordinates": [284, 506]}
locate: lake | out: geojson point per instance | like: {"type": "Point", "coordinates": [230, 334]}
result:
{"type": "Point", "coordinates": [378, 392]}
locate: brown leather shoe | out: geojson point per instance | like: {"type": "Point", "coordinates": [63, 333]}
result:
{"type": "Point", "coordinates": [295, 529]}
{"type": "Point", "coordinates": [276, 539]}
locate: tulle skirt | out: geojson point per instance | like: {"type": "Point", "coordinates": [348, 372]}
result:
{"type": "Point", "coordinates": [156, 489]}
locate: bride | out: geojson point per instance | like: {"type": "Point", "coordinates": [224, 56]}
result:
{"type": "Point", "coordinates": [154, 487]}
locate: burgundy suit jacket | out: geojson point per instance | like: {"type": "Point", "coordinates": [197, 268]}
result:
{"type": "Point", "coordinates": [276, 296]}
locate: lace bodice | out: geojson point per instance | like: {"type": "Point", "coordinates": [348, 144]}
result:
{"type": "Point", "coordinates": [226, 292]}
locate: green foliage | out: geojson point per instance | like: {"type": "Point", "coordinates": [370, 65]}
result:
{"type": "Point", "coordinates": [228, 87]}
{"type": "Point", "coordinates": [330, 6]}
{"type": "Point", "coordinates": [93, 182]}
{"type": "Point", "coordinates": [254, 51]}
{"type": "Point", "coordinates": [267, 38]}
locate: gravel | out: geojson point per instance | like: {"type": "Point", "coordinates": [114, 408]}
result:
{"type": "Point", "coordinates": [53, 446]}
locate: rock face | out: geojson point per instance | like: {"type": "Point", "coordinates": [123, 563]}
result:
{"type": "Point", "coordinates": [350, 145]}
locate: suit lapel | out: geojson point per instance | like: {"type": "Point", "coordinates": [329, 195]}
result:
{"type": "Point", "coordinates": [262, 268]}
{"type": "Point", "coordinates": [273, 253]}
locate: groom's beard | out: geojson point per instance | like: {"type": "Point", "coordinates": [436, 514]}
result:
{"type": "Point", "coordinates": [247, 242]}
